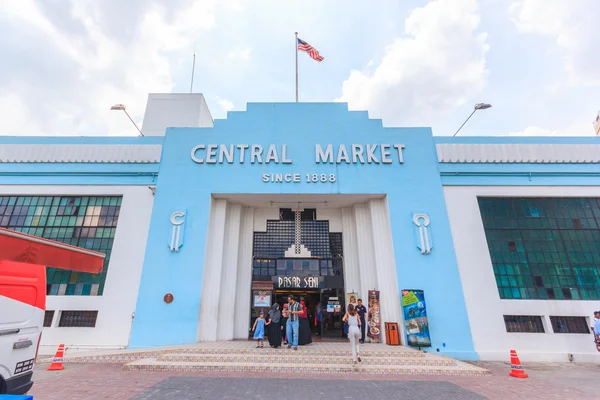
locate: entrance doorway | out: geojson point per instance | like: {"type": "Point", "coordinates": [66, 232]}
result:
{"type": "Point", "coordinates": [331, 302]}
{"type": "Point", "coordinates": [311, 299]}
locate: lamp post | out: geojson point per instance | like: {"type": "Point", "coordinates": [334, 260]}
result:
{"type": "Point", "coordinates": [478, 106]}
{"type": "Point", "coordinates": [121, 107]}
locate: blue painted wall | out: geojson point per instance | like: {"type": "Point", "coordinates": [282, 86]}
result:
{"type": "Point", "coordinates": [412, 186]}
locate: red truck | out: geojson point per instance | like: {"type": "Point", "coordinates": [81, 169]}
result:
{"type": "Point", "coordinates": [23, 261]}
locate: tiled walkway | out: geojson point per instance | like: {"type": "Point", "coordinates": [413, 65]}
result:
{"type": "Point", "coordinates": [95, 381]}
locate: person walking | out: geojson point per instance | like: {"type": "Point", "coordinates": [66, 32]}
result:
{"type": "Point", "coordinates": [304, 336]}
{"type": "Point", "coordinates": [318, 319]}
{"type": "Point", "coordinates": [597, 329]}
{"type": "Point", "coordinates": [259, 330]}
{"type": "Point", "coordinates": [353, 321]}
{"type": "Point", "coordinates": [362, 312]}
{"type": "Point", "coordinates": [294, 309]}
{"type": "Point", "coordinates": [275, 328]}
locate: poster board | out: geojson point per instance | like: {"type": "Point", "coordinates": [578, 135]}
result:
{"type": "Point", "coordinates": [374, 321]}
{"type": "Point", "coordinates": [261, 299]}
{"type": "Point", "coordinates": [415, 318]}
{"type": "Point", "coordinates": [351, 298]}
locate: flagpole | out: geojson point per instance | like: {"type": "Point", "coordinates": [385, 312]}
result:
{"type": "Point", "coordinates": [296, 43]}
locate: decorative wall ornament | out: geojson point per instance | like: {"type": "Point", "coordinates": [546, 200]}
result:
{"type": "Point", "coordinates": [177, 220]}
{"type": "Point", "coordinates": [297, 249]}
{"type": "Point", "coordinates": [424, 242]}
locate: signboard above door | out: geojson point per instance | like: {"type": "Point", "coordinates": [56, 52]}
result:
{"type": "Point", "coordinates": [298, 282]}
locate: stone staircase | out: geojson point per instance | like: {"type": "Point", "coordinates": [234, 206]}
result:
{"type": "Point", "coordinates": [317, 358]}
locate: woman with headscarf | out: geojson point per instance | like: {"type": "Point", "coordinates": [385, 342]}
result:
{"type": "Point", "coordinates": [274, 328]}
{"type": "Point", "coordinates": [304, 336]}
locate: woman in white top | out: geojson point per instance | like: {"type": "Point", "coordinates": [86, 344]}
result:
{"type": "Point", "coordinates": [353, 321]}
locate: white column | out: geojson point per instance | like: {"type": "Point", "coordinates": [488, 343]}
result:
{"type": "Point", "coordinates": [387, 279]}
{"type": "Point", "coordinates": [366, 257]}
{"type": "Point", "coordinates": [351, 272]}
{"type": "Point", "coordinates": [244, 275]}
{"type": "Point", "coordinates": [229, 272]}
{"type": "Point", "coordinates": [211, 275]}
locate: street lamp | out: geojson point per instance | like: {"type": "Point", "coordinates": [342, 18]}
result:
{"type": "Point", "coordinates": [478, 106]}
{"type": "Point", "coordinates": [121, 107]}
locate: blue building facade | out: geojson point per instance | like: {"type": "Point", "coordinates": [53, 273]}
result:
{"type": "Point", "coordinates": [411, 212]}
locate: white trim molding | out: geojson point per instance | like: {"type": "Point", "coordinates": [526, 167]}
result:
{"type": "Point", "coordinates": [519, 153]}
{"type": "Point", "coordinates": [80, 153]}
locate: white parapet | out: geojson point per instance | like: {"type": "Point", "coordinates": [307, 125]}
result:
{"type": "Point", "coordinates": [175, 110]}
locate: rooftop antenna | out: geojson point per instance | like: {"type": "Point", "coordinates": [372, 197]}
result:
{"type": "Point", "coordinates": [193, 67]}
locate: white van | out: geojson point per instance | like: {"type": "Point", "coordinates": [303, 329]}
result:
{"type": "Point", "coordinates": [22, 309]}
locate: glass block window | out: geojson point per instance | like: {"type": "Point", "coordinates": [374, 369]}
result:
{"type": "Point", "coordinates": [78, 319]}
{"type": "Point", "coordinates": [287, 214]}
{"type": "Point", "coordinates": [524, 323]}
{"type": "Point", "coordinates": [314, 236]}
{"type": "Point", "coordinates": [544, 248]}
{"type": "Point", "coordinates": [89, 222]}
{"type": "Point", "coordinates": [269, 248]}
{"type": "Point", "coordinates": [570, 325]}
{"type": "Point", "coordinates": [275, 241]}
{"type": "Point", "coordinates": [48, 316]}
{"type": "Point", "coordinates": [335, 245]}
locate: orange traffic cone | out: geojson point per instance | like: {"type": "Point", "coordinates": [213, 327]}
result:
{"type": "Point", "coordinates": [516, 369]}
{"type": "Point", "coordinates": [57, 361]}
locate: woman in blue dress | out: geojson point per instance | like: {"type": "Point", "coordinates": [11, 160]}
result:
{"type": "Point", "coordinates": [259, 329]}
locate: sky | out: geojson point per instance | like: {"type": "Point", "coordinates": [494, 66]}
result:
{"type": "Point", "coordinates": [63, 63]}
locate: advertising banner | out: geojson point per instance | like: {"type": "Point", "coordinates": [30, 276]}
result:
{"type": "Point", "coordinates": [262, 299]}
{"type": "Point", "coordinates": [333, 305]}
{"type": "Point", "coordinates": [374, 321]}
{"type": "Point", "coordinates": [415, 318]}
{"type": "Point", "coordinates": [351, 298]}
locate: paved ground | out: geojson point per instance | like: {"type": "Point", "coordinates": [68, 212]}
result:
{"type": "Point", "coordinates": [95, 381]}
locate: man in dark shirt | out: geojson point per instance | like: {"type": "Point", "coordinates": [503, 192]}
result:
{"type": "Point", "coordinates": [362, 312]}
{"type": "Point", "coordinates": [294, 308]}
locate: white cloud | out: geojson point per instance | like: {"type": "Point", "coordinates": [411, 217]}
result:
{"type": "Point", "coordinates": [240, 54]}
{"type": "Point", "coordinates": [572, 25]}
{"type": "Point", "coordinates": [92, 55]}
{"type": "Point", "coordinates": [19, 122]}
{"type": "Point", "coordinates": [574, 130]}
{"type": "Point", "coordinates": [436, 66]}
{"type": "Point", "coordinates": [226, 105]}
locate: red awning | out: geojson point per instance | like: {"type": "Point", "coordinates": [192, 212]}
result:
{"type": "Point", "coordinates": [19, 247]}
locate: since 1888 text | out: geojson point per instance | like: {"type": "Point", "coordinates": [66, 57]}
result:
{"type": "Point", "coordinates": [298, 178]}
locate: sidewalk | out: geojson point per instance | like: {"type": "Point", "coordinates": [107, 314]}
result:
{"type": "Point", "coordinates": [90, 381]}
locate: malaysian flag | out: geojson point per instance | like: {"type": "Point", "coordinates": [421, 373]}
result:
{"type": "Point", "coordinates": [312, 52]}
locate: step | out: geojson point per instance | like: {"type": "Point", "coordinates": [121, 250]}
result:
{"type": "Point", "coordinates": [289, 357]}
{"type": "Point", "coordinates": [151, 364]}
{"type": "Point", "coordinates": [365, 351]}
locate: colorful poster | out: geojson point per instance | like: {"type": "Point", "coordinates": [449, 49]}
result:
{"type": "Point", "coordinates": [415, 318]}
{"type": "Point", "coordinates": [351, 298]}
{"type": "Point", "coordinates": [262, 299]}
{"type": "Point", "coordinates": [374, 323]}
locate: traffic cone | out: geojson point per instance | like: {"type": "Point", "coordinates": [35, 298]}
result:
{"type": "Point", "coordinates": [516, 369]}
{"type": "Point", "coordinates": [57, 361]}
